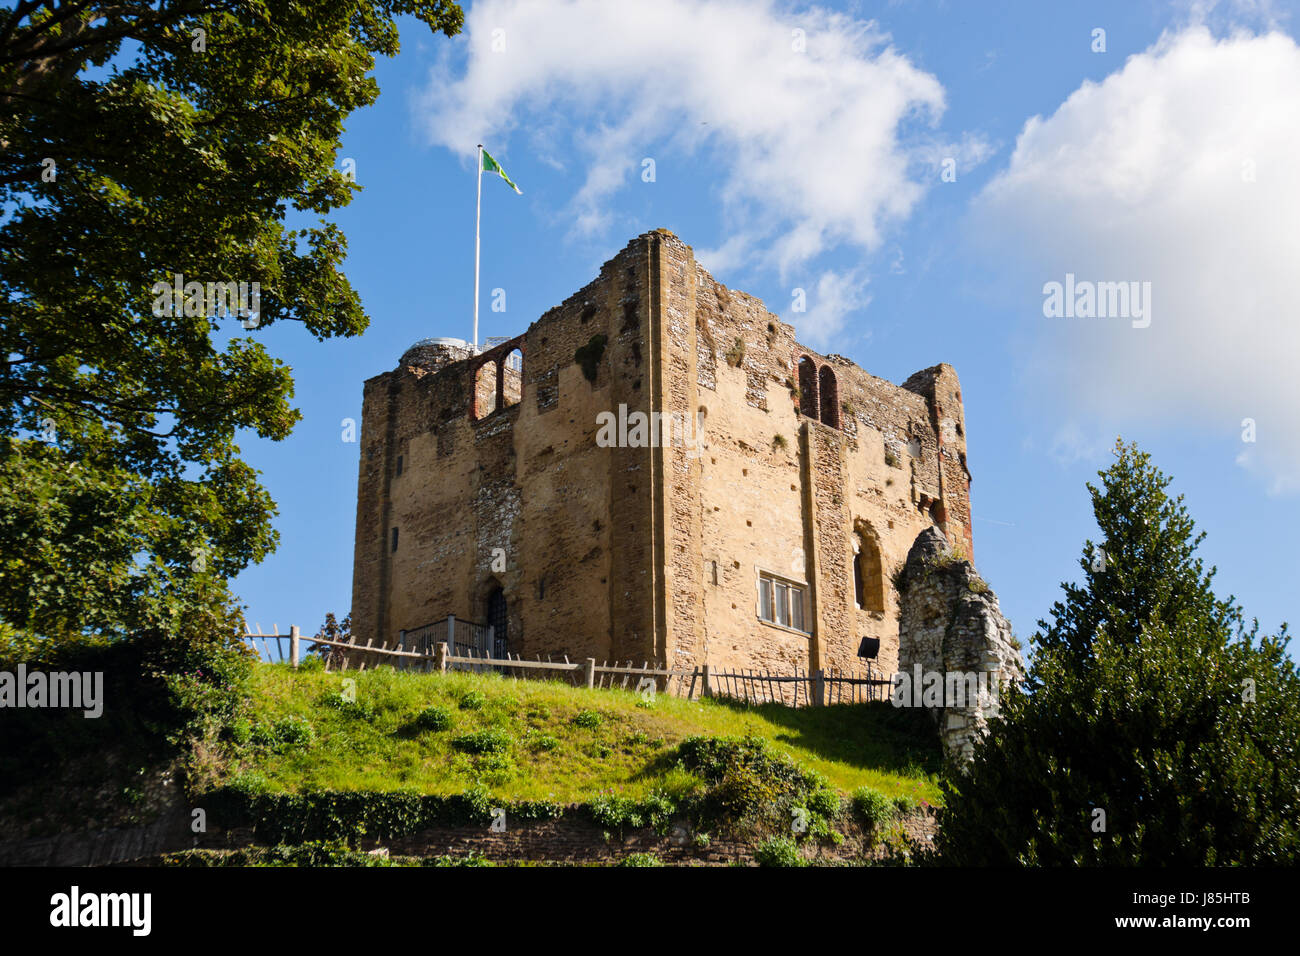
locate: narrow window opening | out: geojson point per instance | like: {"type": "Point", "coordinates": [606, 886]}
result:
{"type": "Point", "coordinates": [869, 573]}
{"type": "Point", "coordinates": [829, 391]}
{"type": "Point", "coordinates": [512, 378]}
{"type": "Point", "coordinates": [808, 387]}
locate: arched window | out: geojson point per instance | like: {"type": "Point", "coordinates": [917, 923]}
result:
{"type": "Point", "coordinates": [512, 378]}
{"type": "Point", "coordinates": [807, 387]}
{"type": "Point", "coordinates": [868, 571]}
{"type": "Point", "coordinates": [830, 397]}
{"type": "Point", "coordinates": [485, 389]}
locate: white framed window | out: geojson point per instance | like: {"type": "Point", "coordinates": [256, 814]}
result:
{"type": "Point", "coordinates": [782, 601]}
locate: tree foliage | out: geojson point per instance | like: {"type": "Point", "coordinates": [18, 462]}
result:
{"type": "Point", "coordinates": [140, 141]}
{"type": "Point", "coordinates": [1145, 569]}
{"type": "Point", "coordinates": [1154, 727]}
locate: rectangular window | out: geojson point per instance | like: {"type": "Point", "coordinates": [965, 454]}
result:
{"type": "Point", "coordinates": [781, 601]}
{"type": "Point", "coordinates": [394, 539]}
{"type": "Point", "coordinates": [399, 464]}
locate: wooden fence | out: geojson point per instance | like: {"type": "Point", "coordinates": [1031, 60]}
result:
{"type": "Point", "coordinates": [800, 689]}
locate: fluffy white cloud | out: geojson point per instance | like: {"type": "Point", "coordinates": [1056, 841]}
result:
{"type": "Point", "coordinates": [835, 296]}
{"type": "Point", "coordinates": [1178, 170]}
{"type": "Point", "coordinates": [816, 130]}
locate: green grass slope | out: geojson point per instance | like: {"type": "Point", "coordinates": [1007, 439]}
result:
{"type": "Point", "coordinates": [531, 740]}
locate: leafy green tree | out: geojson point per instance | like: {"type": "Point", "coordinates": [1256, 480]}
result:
{"type": "Point", "coordinates": [140, 141]}
{"type": "Point", "coordinates": [1154, 727]}
{"type": "Point", "coordinates": [1144, 570]}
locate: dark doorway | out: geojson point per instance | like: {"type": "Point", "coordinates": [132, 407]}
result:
{"type": "Point", "coordinates": [498, 620]}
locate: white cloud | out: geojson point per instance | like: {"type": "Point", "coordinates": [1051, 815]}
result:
{"type": "Point", "coordinates": [809, 150]}
{"type": "Point", "coordinates": [1178, 169]}
{"type": "Point", "coordinates": [830, 302]}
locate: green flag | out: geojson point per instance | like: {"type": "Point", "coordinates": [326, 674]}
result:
{"type": "Point", "coordinates": [490, 165]}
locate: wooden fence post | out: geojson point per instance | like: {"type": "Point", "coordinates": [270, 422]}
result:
{"type": "Point", "coordinates": [706, 689]}
{"type": "Point", "coordinates": [819, 688]}
{"type": "Point", "coordinates": [294, 634]}
{"type": "Point", "coordinates": [440, 657]}
{"type": "Point", "coordinates": [589, 672]}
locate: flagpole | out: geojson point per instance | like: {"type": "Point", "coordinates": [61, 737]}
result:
{"type": "Point", "coordinates": [478, 220]}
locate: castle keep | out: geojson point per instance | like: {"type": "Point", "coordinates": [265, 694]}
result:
{"type": "Point", "coordinates": [757, 527]}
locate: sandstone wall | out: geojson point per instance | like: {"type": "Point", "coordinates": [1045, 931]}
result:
{"type": "Point", "coordinates": [651, 553]}
{"type": "Point", "coordinates": [791, 504]}
{"type": "Point", "coordinates": [573, 519]}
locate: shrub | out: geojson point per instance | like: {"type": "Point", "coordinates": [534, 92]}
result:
{"type": "Point", "coordinates": [640, 859]}
{"type": "Point", "coordinates": [469, 859]}
{"type": "Point", "coordinates": [736, 354]}
{"type": "Point", "coordinates": [587, 718]}
{"type": "Point", "coordinates": [281, 734]}
{"type": "Point", "coordinates": [543, 743]}
{"type": "Point", "coordinates": [313, 853]}
{"type": "Point", "coordinates": [348, 707]}
{"type": "Point", "coordinates": [293, 818]}
{"type": "Point", "coordinates": [293, 731]}
{"type": "Point", "coordinates": [483, 742]}
{"type": "Point", "coordinates": [744, 774]}
{"type": "Point", "coordinates": [825, 802]}
{"type": "Point", "coordinates": [752, 787]}
{"type": "Point", "coordinates": [778, 851]}
{"type": "Point", "coordinates": [241, 731]}
{"type": "Point", "coordinates": [872, 806]}
{"type": "Point", "coordinates": [433, 718]}
{"type": "Point", "coordinates": [473, 700]}
{"type": "Point", "coordinates": [248, 783]}
{"type": "Point", "coordinates": [905, 805]}
{"type": "Point", "coordinates": [616, 812]}
{"type": "Point", "coordinates": [535, 810]}
{"type": "Point", "coordinates": [319, 853]}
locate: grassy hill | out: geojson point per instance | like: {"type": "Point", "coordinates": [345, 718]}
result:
{"type": "Point", "coordinates": [533, 740]}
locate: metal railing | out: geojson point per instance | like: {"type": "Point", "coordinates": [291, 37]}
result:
{"type": "Point", "coordinates": [463, 638]}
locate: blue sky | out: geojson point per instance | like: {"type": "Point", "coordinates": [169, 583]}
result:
{"type": "Point", "coordinates": [815, 160]}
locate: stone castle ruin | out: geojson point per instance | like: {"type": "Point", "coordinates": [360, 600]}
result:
{"type": "Point", "coordinates": [656, 470]}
